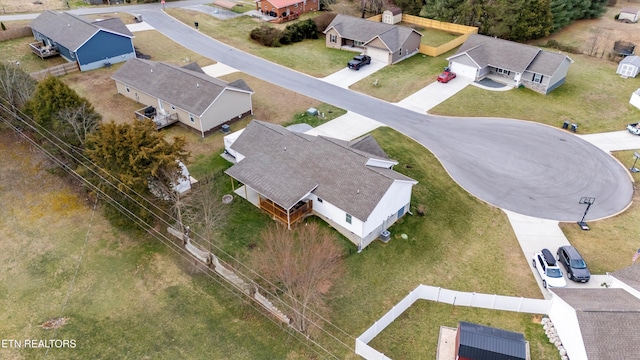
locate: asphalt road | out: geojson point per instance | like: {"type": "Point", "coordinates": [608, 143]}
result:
{"type": "Point", "coordinates": [524, 167]}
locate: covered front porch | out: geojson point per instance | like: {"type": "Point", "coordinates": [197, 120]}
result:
{"type": "Point", "coordinates": [277, 212]}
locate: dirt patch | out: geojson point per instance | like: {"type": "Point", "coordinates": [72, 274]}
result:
{"type": "Point", "coordinates": [596, 37]}
{"type": "Point", "coordinates": [54, 323]}
{"type": "Point", "coordinates": [19, 6]}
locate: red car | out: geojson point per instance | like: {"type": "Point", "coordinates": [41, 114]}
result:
{"type": "Point", "coordinates": [446, 76]}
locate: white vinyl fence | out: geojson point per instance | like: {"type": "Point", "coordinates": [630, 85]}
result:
{"type": "Point", "coordinates": [425, 292]}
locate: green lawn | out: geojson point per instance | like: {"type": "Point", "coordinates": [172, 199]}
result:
{"type": "Point", "coordinates": [593, 97]}
{"type": "Point", "coordinates": [396, 82]}
{"type": "Point", "coordinates": [435, 37]}
{"type": "Point", "coordinates": [18, 51]}
{"type": "Point", "coordinates": [309, 56]}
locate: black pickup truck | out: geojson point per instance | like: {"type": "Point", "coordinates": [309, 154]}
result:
{"type": "Point", "coordinates": [359, 61]}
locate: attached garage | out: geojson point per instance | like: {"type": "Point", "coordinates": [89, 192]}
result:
{"type": "Point", "coordinates": [377, 54]}
{"type": "Point", "coordinates": [463, 66]}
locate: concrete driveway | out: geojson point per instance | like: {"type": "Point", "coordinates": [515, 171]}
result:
{"type": "Point", "coordinates": [432, 95]}
{"type": "Point", "coordinates": [614, 141]}
{"type": "Point", "coordinates": [347, 77]}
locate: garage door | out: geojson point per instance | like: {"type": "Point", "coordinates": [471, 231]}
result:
{"type": "Point", "coordinates": [466, 71]}
{"type": "Point", "coordinates": [376, 54]}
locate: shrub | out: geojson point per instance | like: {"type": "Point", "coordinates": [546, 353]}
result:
{"type": "Point", "coordinates": [554, 44]}
{"type": "Point", "coordinates": [266, 35]}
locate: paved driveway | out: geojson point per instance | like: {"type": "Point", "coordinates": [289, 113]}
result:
{"type": "Point", "coordinates": [347, 77]}
{"type": "Point", "coordinates": [432, 95]}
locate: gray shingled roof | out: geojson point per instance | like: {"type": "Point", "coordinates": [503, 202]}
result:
{"type": "Point", "coordinates": [368, 145]}
{"type": "Point", "coordinates": [189, 90]}
{"type": "Point", "coordinates": [509, 55]}
{"type": "Point", "coordinates": [502, 344]}
{"type": "Point", "coordinates": [284, 166]}
{"type": "Point", "coordinates": [350, 27]}
{"type": "Point", "coordinates": [629, 275]}
{"type": "Point", "coordinates": [634, 60]}
{"type": "Point", "coordinates": [609, 321]}
{"type": "Point", "coordinates": [490, 51]}
{"type": "Point", "coordinates": [71, 31]}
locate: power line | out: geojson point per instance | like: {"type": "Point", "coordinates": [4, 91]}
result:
{"type": "Point", "coordinates": [45, 134]}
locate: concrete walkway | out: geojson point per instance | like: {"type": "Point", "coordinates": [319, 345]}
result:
{"type": "Point", "coordinates": [346, 127]}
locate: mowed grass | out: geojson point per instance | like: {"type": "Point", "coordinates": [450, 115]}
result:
{"type": "Point", "coordinates": [461, 244]}
{"type": "Point", "coordinates": [610, 243]}
{"type": "Point", "coordinates": [17, 51]}
{"type": "Point", "coordinates": [396, 82]}
{"type": "Point", "coordinates": [593, 96]}
{"type": "Point", "coordinates": [416, 328]}
{"type": "Point", "coordinates": [311, 57]}
{"type": "Point", "coordinates": [124, 294]}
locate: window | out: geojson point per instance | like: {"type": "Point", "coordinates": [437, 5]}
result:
{"type": "Point", "coordinates": [333, 38]}
{"type": "Point", "coordinates": [127, 88]}
{"type": "Point", "coordinates": [358, 43]}
{"type": "Point", "coordinates": [348, 219]}
{"type": "Point", "coordinates": [537, 78]}
{"type": "Point", "coordinates": [503, 71]}
{"type": "Point", "coordinates": [192, 118]}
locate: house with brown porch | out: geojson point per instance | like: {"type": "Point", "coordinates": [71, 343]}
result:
{"type": "Point", "coordinates": [286, 10]}
{"type": "Point", "coordinates": [289, 175]}
{"type": "Point", "coordinates": [187, 95]}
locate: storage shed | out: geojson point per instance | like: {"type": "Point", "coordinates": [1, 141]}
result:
{"type": "Point", "coordinates": [629, 66]}
{"type": "Point", "coordinates": [392, 16]}
{"type": "Point", "coordinates": [478, 342]}
{"type": "Point", "coordinates": [628, 15]}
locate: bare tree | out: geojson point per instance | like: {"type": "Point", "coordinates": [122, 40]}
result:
{"type": "Point", "coordinates": [81, 120]}
{"type": "Point", "coordinates": [16, 86]}
{"type": "Point", "coordinates": [301, 266]}
{"type": "Point", "coordinates": [204, 211]}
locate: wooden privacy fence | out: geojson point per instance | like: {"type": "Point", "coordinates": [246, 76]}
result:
{"type": "Point", "coordinates": [55, 71]}
{"type": "Point", "coordinates": [463, 30]}
{"type": "Point", "coordinates": [14, 33]}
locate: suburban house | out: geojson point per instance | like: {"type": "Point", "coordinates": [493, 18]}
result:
{"type": "Point", "coordinates": [629, 66]}
{"type": "Point", "coordinates": [350, 185]}
{"type": "Point", "coordinates": [600, 323]}
{"type": "Point", "coordinates": [183, 94]}
{"type": "Point", "coordinates": [479, 342]}
{"type": "Point", "coordinates": [629, 15]}
{"type": "Point", "coordinates": [383, 42]}
{"type": "Point", "coordinates": [392, 16]}
{"type": "Point", "coordinates": [510, 63]}
{"type": "Point", "coordinates": [90, 44]}
{"type": "Point", "coordinates": [286, 10]}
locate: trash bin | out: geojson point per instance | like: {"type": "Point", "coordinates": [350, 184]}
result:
{"type": "Point", "coordinates": [225, 128]}
{"type": "Point", "coordinates": [574, 127]}
{"type": "Point", "coordinates": [565, 125]}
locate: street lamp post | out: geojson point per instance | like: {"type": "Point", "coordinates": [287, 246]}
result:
{"type": "Point", "coordinates": [588, 201]}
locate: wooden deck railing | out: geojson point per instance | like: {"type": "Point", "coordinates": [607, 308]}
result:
{"type": "Point", "coordinates": [159, 119]}
{"type": "Point", "coordinates": [43, 51]}
{"type": "Point", "coordinates": [278, 213]}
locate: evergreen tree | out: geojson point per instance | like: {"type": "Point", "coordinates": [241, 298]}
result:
{"type": "Point", "coordinates": [134, 154]}
{"type": "Point", "coordinates": [441, 10]}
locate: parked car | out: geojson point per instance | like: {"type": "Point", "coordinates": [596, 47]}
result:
{"type": "Point", "coordinates": [548, 268]}
{"type": "Point", "coordinates": [359, 61]}
{"type": "Point", "coordinates": [574, 263]}
{"type": "Point", "coordinates": [446, 76]}
{"type": "Point", "coordinates": [634, 128]}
